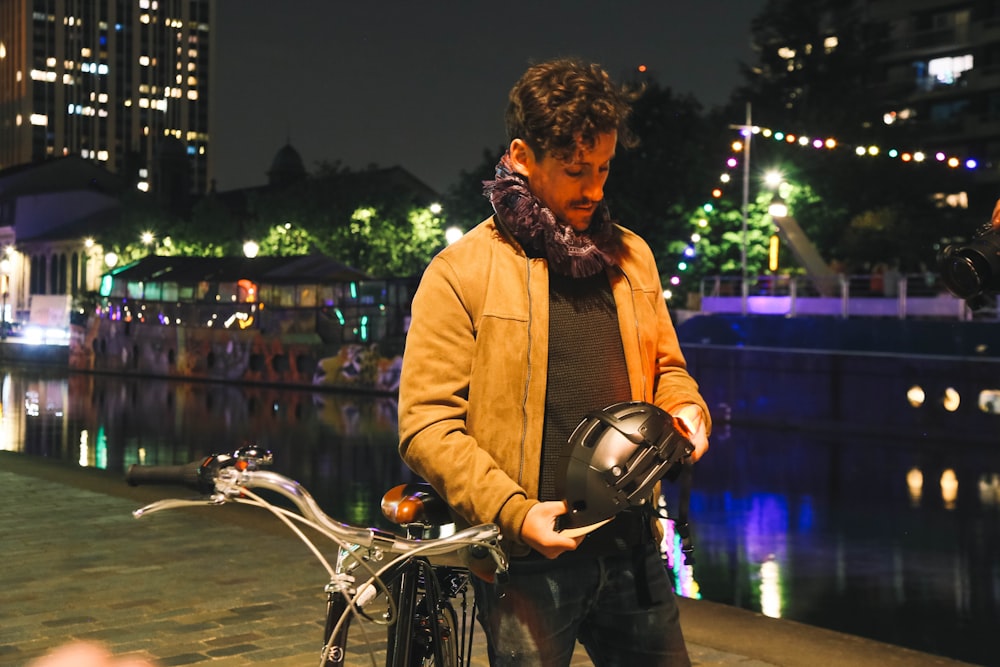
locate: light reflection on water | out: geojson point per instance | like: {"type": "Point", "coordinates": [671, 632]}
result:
{"type": "Point", "coordinates": [822, 529]}
{"type": "Point", "coordinates": [342, 448]}
{"type": "Point", "coordinates": [890, 535]}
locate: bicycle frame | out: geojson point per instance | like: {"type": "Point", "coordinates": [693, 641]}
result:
{"type": "Point", "coordinates": [419, 592]}
{"type": "Point", "coordinates": [418, 612]}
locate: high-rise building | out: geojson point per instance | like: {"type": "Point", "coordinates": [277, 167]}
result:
{"type": "Point", "coordinates": [122, 83]}
{"type": "Point", "coordinates": [939, 76]}
{"type": "Point", "coordinates": [924, 74]}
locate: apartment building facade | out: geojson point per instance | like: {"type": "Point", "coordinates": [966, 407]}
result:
{"type": "Point", "coordinates": [122, 83]}
{"type": "Point", "coordinates": [937, 76]}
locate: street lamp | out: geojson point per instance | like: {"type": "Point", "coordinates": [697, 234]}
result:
{"type": "Point", "coordinates": [777, 208]}
{"type": "Point", "coordinates": [4, 289]}
{"type": "Point", "coordinates": [745, 239]}
{"type": "Point", "coordinates": [148, 239]}
{"type": "Point", "coordinates": [747, 131]}
{"type": "Point", "coordinates": [773, 179]}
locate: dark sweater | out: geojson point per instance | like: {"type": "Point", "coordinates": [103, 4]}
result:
{"type": "Point", "coordinates": [586, 372]}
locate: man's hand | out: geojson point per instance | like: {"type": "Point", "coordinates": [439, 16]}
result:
{"type": "Point", "coordinates": [996, 216]}
{"type": "Point", "coordinates": [695, 420]}
{"type": "Point", "coordinates": [538, 530]}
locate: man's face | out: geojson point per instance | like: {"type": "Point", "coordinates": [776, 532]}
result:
{"type": "Point", "coordinates": [571, 189]}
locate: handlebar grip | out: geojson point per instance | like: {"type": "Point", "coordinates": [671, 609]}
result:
{"type": "Point", "coordinates": [187, 475]}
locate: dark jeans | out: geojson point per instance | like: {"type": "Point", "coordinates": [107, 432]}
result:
{"type": "Point", "coordinates": [621, 608]}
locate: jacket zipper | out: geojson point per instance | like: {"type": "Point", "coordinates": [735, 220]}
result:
{"type": "Point", "coordinates": [638, 334]}
{"type": "Point", "coordinates": [527, 380]}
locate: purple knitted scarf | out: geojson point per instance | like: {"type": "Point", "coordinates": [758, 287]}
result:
{"type": "Point", "coordinates": [569, 253]}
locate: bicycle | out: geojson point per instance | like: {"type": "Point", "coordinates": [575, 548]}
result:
{"type": "Point", "coordinates": [408, 583]}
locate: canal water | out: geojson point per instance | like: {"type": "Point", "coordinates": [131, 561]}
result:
{"type": "Point", "coordinates": [843, 494]}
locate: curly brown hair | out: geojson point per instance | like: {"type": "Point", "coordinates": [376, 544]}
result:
{"type": "Point", "coordinates": [561, 105]}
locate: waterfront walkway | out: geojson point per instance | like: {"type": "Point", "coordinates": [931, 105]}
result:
{"type": "Point", "coordinates": [227, 587]}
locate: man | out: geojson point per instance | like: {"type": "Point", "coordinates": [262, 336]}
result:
{"type": "Point", "coordinates": [540, 314]}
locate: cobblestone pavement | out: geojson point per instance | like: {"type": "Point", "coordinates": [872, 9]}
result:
{"type": "Point", "coordinates": [228, 586]}
{"type": "Point", "coordinates": [186, 587]}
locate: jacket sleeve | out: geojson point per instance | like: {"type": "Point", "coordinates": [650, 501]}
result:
{"type": "Point", "coordinates": [435, 439]}
{"type": "Point", "coordinates": [673, 385]}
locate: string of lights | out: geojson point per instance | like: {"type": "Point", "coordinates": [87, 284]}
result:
{"type": "Point", "coordinates": [831, 143]}
{"type": "Point", "coordinates": [872, 150]}
{"type": "Point", "coordinates": [805, 141]}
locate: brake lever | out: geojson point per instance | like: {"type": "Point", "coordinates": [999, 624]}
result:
{"type": "Point", "coordinates": [174, 503]}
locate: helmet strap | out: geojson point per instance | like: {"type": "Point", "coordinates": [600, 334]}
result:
{"type": "Point", "coordinates": [680, 520]}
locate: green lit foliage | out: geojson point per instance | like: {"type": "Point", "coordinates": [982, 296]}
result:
{"type": "Point", "coordinates": [715, 235]}
{"type": "Point", "coordinates": [398, 244]}
{"type": "Point", "coordinates": [424, 236]}
{"type": "Point", "coordinates": [140, 215]}
{"type": "Point", "coordinates": [284, 240]}
{"type": "Point", "coordinates": [365, 220]}
{"type": "Point", "coordinates": [147, 227]}
{"type": "Point", "coordinates": [382, 237]}
{"type": "Point", "coordinates": [823, 221]}
{"type": "Point", "coordinates": [286, 221]}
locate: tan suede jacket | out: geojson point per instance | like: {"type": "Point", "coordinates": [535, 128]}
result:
{"type": "Point", "coordinates": [472, 391]}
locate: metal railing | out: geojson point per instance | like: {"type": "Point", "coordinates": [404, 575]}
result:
{"type": "Point", "coordinates": [902, 296]}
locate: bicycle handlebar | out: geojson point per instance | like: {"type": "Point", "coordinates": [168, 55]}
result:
{"type": "Point", "coordinates": [223, 476]}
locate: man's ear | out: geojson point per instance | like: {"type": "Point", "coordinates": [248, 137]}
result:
{"type": "Point", "coordinates": [521, 157]}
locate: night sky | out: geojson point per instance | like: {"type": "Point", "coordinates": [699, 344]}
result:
{"type": "Point", "coordinates": [424, 84]}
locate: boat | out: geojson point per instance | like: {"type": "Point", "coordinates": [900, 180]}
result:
{"type": "Point", "coordinates": [304, 321]}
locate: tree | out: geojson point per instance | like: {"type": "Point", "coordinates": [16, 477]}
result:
{"type": "Point", "coordinates": [370, 220]}
{"type": "Point", "coordinates": [286, 240]}
{"type": "Point", "coordinates": [712, 247]}
{"type": "Point", "coordinates": [813, 76]}
{"type": "Point", "coordinates": [143, 225]}
{"type": "Point", "coordinates": [652, 185]}
{"type": "Point", "coordinates": [387, 242]}
{"type": "Point", "coordinates": [465, 204]}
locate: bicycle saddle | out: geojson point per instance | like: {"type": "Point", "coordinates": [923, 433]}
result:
{"type": "Point", "coordinates": [416, 502]}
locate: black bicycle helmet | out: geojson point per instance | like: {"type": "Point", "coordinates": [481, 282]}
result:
{"type": "Point", "coordinates": [615, 458]}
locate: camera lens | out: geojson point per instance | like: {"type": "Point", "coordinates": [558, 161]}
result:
{"type": "Point", "coordinates": [963, 271]}
{"type": "Point", "coordinates": [972, 269]}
